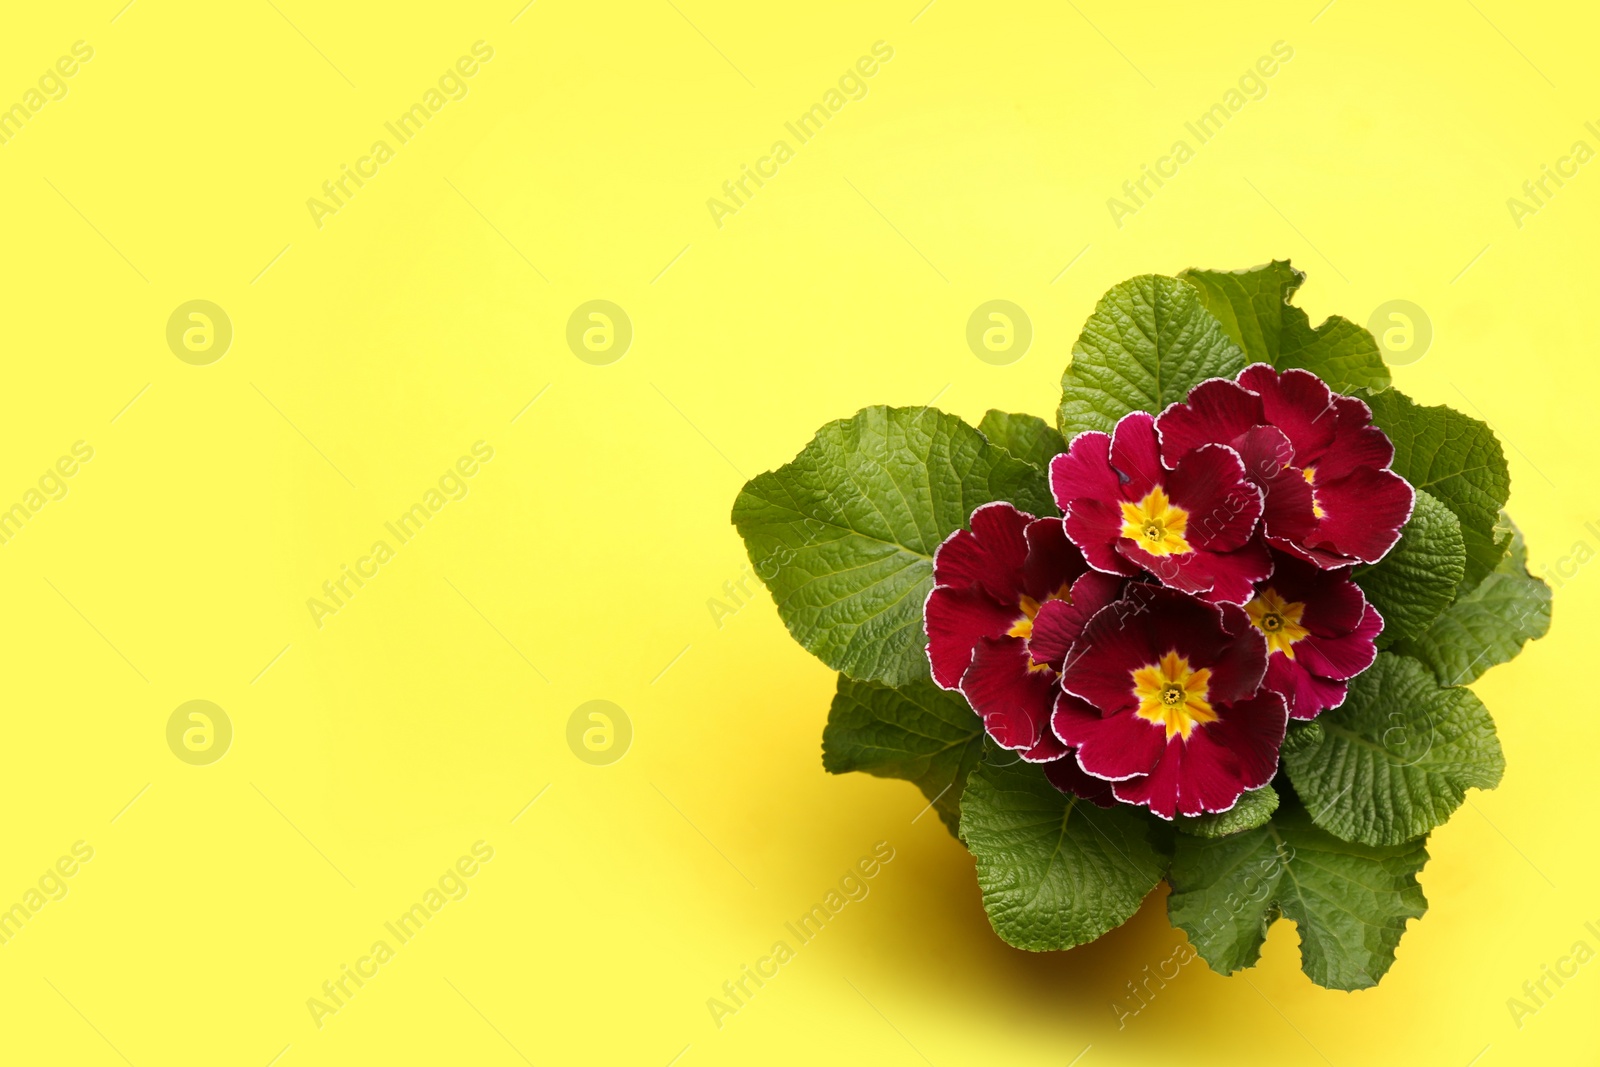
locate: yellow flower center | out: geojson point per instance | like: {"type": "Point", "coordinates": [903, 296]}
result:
{"type": "Point", "coordinates": [1156, 525]}
{"type": "Point", "coordinates": [1029, 607]}
{"type": "Point", "coordinates": [1023, 627]}
{"type": "Point", "coordinates": [1279, 619]}
{"type": "Point", "coordinates": [1316, 508]}
{"type": "Point", "coordinates": [1173, 695]}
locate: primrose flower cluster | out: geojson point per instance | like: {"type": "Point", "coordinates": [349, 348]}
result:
{"type": "Point", "coordinates": [1215, 626]}
{"type": "Point", "coordinates": [1151, 645]}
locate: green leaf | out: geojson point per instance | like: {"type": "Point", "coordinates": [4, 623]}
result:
{"type": "Point", "coordinates": [1254, 308]}
{"type": "Point", "coordinates": [1254, 808]}
{"type": "Point", "coordinates": [1148, 342]}
{"type": "Point", "coordinates": [1055, 871]}
{"type": "Point", "coordinates": [1484, 554]}
{"type": "Point", "coordinates": [1351, 902]}
{"type": "Point", "coordinates": [918, 732]}
{"type": "Point", "coordinates": [1028, 437]}
{"type": "Point", "coordinates": [1487, 626]}
{"type": "Point", "coordinates": [1249, 303]}
{"type": "Point", "coordinates": [1417, 579]}
{"type": "Point", "coordinates": [1224, 894]}
{"type": "Point", "coordinates": [1301, 732]}
{"type": "Point", "coordinates": [844, 535]}
{"type": "Point", "coordinates": [1516, 560]}
{"type": "Point", "coordinates": [1398, 757]}
{"type": "Point", "coordinates": [1457, 459]}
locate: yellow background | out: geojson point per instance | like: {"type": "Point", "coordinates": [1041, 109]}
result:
{"type": "Point", "coordinates": [425, 315]}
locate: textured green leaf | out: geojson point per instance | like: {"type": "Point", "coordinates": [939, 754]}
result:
{"type": "Point", "coordinates": [1224, 894]}
{"type": "Point", "coordinates": [1398, 757]}
{"type": "Point", "coordinates": [1351, 902]}
{"type": "Point", "coordinates": [1417, 579]}
{"type": "Point", "coordinates": [918, 732]}
{"type": "Point", "coordinates": [1254, 808]}
{"type": "Point", "coordinates": [1484, 554]}
{"type": "Point", "coordinates": [1149, 341]}
{"type": "Point", "coordinates": [1055, 871]}
{"type": "Point", "coordinates": [1457, 459]}
{"type": "Point", "coordinates": [844, 535]}
{"type": "Point", "coordinates": [1487, 626]}
{"type": "Point", "coordinates": [1516, 559]}
{"type": "Point", "coordinates": [1301, 732]}
{"type": "Point", "coordinates": [1254, 308]}
{"type": "Point", "coordinates": [1249, 303]}
{"type": "Point", "coordinates": [1028, 437]}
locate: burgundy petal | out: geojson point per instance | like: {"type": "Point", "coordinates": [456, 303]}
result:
{"type": "Point", "coordinates": [991, 554]}
{"type": "Point", "coordinates": [1362, 513]}
{"type": "Point", "coordinates": [1219, 761]}
{"type": "Point", "coordinates": [1223, 504]}
{"type": "Point", "coordinates": [1306, 694]}
{"type": "Point", "coordinates": [1217, 577]}
{"type": "Point", "coordinates": [1266, 453]}
{"type": "Point", "coordinates": [1334, 603]}
{"type": "Point", "coordinates": [1052, 562]}
{"type": "Point", "coordinates": [1095, 526]}
{"type": "Point", "coordinates": [955, 620]}
{"type": "Point", "coordinates": [986, 575]}
{"type": "Point", "coordinates": [1110, 747]}
{"type": "Point", "coordinates": [1345, 656]}
{"type": "Point", "coordinates": [1149, 622]}
{"type": "Point", "coordinates": [1332, 630]}
{"type": "Point", "coordinates": [1061, 622]}
{"type": "Point", "coordinates": [1289, 511]}
{"type": "Point", "coordinates": [1233, 570]}
{"type": "Point", "coordinates": [1115, 643]}
{"type": "Point", "coordinates": [1322, 557]}
{"type": "Point", "coordinates": [1067, 776]}
{"type": "Point", "coordinates": [1298, 403]}
{"type": "Point", "coordinates": [1054, 629]}
{"type": "Point", "coordinates": [1216, 412]}
{"type": "Point", "coordinates": [1356, 442]}
{"type": "Point", "coordinates": [1136, 453]}
{"type": "Point", "coordinates": [1084, 471]}
{"type": "Point", "coordinates": [1048, 749]}
{"type": "Point", "coordinates": [1014, 701]}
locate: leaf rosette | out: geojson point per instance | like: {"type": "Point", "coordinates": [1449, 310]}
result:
{"type": "Point", "coordinates": [1211, 627]}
